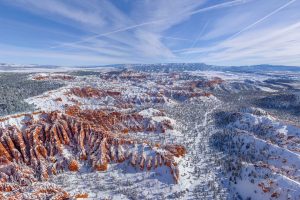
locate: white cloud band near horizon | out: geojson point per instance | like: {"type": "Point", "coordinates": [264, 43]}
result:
{"type": "Point", "coordinates": [238, 32]}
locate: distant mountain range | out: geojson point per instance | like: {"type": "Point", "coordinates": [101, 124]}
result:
{"type": "Point", "coordinates": [161, 67]}
{"type": "Point", "coordinates": [204, 67]}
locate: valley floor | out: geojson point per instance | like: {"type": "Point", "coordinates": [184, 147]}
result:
{"type": "Point", "coordinates": [123, 134]}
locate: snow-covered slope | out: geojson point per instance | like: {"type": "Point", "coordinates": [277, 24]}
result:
{"type": "Point", "coordinates": [126, 134]}
{"type": "Point", "coordinates": [265, 155]}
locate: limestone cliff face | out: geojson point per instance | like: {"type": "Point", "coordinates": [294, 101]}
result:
{"type": "Point", "coordinates": [56, 142]}
{"type": "Point", "coordinates": [117, 122]}
{"type": "Point", "coordinates": [120, 100]}
{"type": "Point", "coordinates": [92, 92]}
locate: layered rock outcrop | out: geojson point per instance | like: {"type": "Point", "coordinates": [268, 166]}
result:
{"type": "Point", "coordinates": [54, 77]}
{"type": "Point", "coordinates": [56, 142]}
{"type": "Point", "coordinates": [92, 92]}
{"type": "Point", "coordinates": [117, 122]}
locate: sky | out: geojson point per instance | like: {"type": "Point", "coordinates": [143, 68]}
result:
{"type": "Point", "coordinates": [103, 32]}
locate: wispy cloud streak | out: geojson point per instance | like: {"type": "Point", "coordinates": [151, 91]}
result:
{"type": "Point", "coordinates": [262, 19]}
{"type": "Point", "coordinates": [218, 6]}
{"type": "Point", "coordinates": [104, 32]}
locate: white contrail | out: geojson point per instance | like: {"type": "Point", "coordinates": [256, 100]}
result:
{"type": "Point", "coordinates": [109, 33]}
{"type": "Point", "coordinates": [221, 5]}
{"type": "Point", "coordinates": [196, 41]}
{"type": "Point", "coordinates": [262, 19]}
{"type": "Point", "coordinates": [176, 38]}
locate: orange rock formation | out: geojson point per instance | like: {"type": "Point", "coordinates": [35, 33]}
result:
{"type": "Point", "coordinates": [37, 152]}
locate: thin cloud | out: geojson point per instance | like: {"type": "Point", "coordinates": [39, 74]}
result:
{"type": "Point", "coordinates": [108, 33]}
{"type": "Point", "coordinates": [153, 31]}
{"type": "Point", "coordinates": [58, 9]}
{"type": "Point", "coordinates": [262, 19]}
{"type": "Point", "coordinates": [198, 38]}
{"type": "Point", "coordinates": [222, 5]}
{"type": "Point", "coordinates": [176, 38]}
{"type": "Point", "coordinates": [275, 46]}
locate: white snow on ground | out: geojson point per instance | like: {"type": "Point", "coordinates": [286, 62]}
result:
{"type": "Point", "coordinates": [49, 69]}
{"type": "Point", "coordinates": [230, 76]}
{"type": "Point", "coordinates": [156, 184]}
{"type": "Point", "coordinates": [11, 121]}
{"type": "Point", "coordinates": [274, 148]}
{"type": "Point", "coordinates": [273, 145]}
{"type": "Point", "coordinates": [285, 187]}
{"type": "Point", "coordinates": [17, 119]}
{"type": "Point", "coordinates": [266, 89]}
{"type": "Point", "coordinates": [49, 100]}
{"type": "Point", "coordinates": [150, 112]}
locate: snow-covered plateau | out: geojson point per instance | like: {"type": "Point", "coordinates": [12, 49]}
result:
{"type": "Point", "coordinates": [130, 133]}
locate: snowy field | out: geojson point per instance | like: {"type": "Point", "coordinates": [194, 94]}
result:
{"type": "Point", "coordinates": [236, 147]}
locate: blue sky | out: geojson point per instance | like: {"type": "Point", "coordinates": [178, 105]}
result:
{"type": "Point", "coordinates": [98, 32]}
